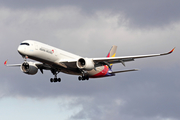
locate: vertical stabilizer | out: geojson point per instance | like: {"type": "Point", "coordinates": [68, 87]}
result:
{"type": "Point", "coordinates": [112, 52]}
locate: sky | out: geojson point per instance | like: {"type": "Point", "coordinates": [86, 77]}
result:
{"type": "Point", "coordinates": [89, 29]}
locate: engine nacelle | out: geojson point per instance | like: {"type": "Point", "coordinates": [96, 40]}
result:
{"type": "Point", "coordinates": [29, 68]}
{"type": "Point", "coordinates": [85, 63]}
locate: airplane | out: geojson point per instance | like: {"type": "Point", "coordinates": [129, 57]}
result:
{"type": "Point", "coordinates": [57, 60]}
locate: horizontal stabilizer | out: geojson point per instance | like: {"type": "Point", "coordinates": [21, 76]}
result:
{"type": "Point", "coordinates": [125, 71]}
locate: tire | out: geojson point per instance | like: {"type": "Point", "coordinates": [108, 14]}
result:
{"type": "Point", "coordinates": [55, 79]}
{"type": "Point", "coordinates": [51, 80]}
{"type": "Point", "coordinates": [59, 80]}
{"type": "Point", "coordinates": [80, 78]}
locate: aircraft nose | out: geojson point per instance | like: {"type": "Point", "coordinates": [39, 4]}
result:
{"type": "Point", "coordinates": [20, 50]}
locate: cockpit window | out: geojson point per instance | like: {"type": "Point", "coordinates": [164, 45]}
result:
{"type": "Point", "coordinates": [25, 44]}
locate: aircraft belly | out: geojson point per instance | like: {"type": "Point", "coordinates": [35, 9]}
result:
{"type": "Point", "coordinates": [61, 68]}
{"type": "Point", "coordinates": [94, 72]}
{"type": "Point", "coordinates": [70, 71]}
{"type": "Point", "coordinates": [99, 72]}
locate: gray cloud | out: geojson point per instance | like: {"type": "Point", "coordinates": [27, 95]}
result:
{"type": "Point", "coordinates": [151, 93]}
{"type": "Point", "coordinates": [144, 94]}
{"type": "Point", "coordinates": [140, 13]}
{"type": "Point", "coordinates": [146, 98]}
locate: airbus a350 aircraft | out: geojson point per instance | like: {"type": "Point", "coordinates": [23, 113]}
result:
{"type": "Point", "coordinates": [57, 60]}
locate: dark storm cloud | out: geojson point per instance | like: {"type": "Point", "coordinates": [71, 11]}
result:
{"type": "Point", "coordinates": [140, 13]}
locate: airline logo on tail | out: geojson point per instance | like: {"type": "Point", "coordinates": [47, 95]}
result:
{"type": "Point", "coordinates": [112, 52]}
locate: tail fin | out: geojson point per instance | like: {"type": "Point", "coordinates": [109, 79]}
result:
{"type": "Point", "coordinates": [112, 52]}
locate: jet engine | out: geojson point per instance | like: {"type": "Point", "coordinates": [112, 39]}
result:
{"type": "Point", "coordinates": [29, 68]}
{"type": "Point", "coordinates": [85, 63]}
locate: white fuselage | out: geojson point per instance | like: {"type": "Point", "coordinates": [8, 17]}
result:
{"type": "Point", "coordinates": [52, 56]}
{"type": "Point", "coordinates": [57, 60]}
{"type": "Point", "coordinates": [45, 52]}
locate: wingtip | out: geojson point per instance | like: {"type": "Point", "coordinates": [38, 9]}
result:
{"type": "Point", "coordinates": [5, 63]}
{"type": "Point", "coordinates": [172, 50]}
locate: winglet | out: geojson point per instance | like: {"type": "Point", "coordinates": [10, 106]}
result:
{"type": "Point", "coordinates": [168, 52]}
{"type": "Point", "coordinates": [5, 63]}
{"type": "Point", "coordinates": [172, 50]}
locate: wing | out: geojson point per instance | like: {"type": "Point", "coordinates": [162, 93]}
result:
{"type": "Point", "coordinates": [112, 60]}
{"type": "Point", "coordinates": [40, 66]}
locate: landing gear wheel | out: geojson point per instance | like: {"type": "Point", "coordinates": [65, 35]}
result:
{"type": "Point", "coordinates": [80, 78]}
{"type": "Point", "coordinates": [51, 80]}
{"type": "Point", "coordinates": [59, 79]}
{"type": "Point", "coordinates": [55, 80]}
{"type": "Point", "coordinates": [83, 78]}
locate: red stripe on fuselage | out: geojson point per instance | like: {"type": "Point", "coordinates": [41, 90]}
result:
{"type": "Point", "coordinates": [102, 73]}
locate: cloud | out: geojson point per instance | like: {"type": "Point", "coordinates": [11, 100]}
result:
{"type": "Point", "coordinates": [146, 98]}
{"type": "Point", "coordinates": [140, 13]}
{"type": "Point", "coordinates": [151, 93]}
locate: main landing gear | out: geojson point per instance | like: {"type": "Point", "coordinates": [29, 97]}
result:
{"type": "Point", "coordinates": [83, 78]}
{"type": "Point", "coordinates": [55, 79]}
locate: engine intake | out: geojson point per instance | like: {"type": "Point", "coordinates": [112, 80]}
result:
{"type": "Point", "coordinates": [85, 63]}
{"type": "Point", "coordinates": [29, 68]}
